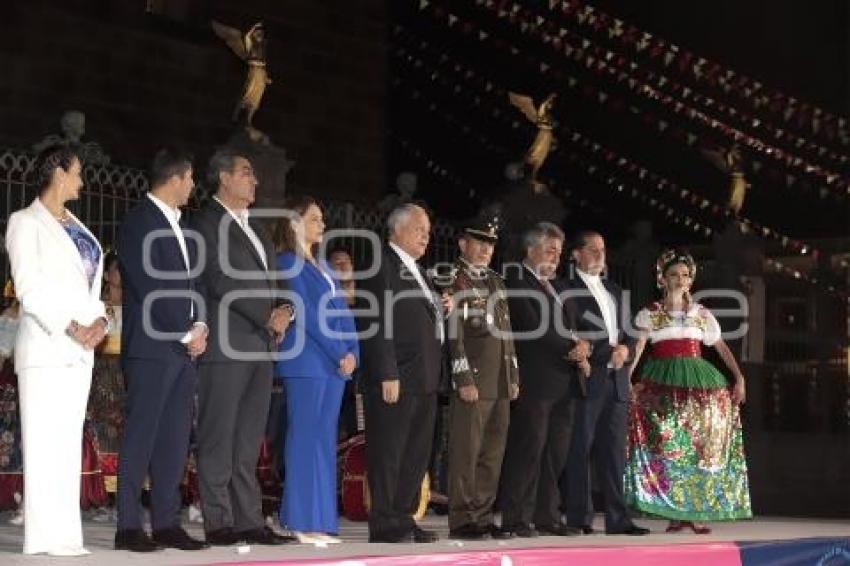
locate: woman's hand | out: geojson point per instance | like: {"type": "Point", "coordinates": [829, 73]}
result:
{"type": "Point", "coordinates": [347, 364]}
{"type": "Point", "coordinates": [97, 332]}
{"type": "Point", "coordinates": [580, 351]}
{"type": "Point", "coordinates": [635, 389]}
{"type": "Point", "coordinates": [87, 336]}
{"type": "Point", "coordinates": [447, 302]}
{"type": "Point", "coordinates": [739, 391]}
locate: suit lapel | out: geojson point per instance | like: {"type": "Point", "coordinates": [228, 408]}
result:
{"type": "Point", "coordinates": [317, 274]}
{"type": "Point", "coordinates": [191, 245]}
{"type": "Point", "coordinates": [589, 306]}
{"type": "Point", "coordinates": [533, 283]}
{"type": "Point", "coordinates": [430, 304]}
{"type": "Point", "coordinates": [235, 233]}
{"type": "Point", "coordinates": [160, 219]}
{"type": "Point", "coordinates": [408, 280]}
{"type": "Point", "coordinates": [58, 232]}
{"type": "Point", "coordinates": [267, 247]}
{"type": "Point", "coordinates": [615, 295]}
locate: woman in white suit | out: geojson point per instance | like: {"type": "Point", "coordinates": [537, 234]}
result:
{"type": "Point", "coordinates": [57, 266]}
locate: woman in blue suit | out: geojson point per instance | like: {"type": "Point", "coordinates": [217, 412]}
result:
{"type": "Point", "coordinates": [317, 355]}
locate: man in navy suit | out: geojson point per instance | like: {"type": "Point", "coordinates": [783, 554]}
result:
{"type": "Point", "coordinates": [161, 336]}
{"type": "Point", "coordinates": [600, 420]}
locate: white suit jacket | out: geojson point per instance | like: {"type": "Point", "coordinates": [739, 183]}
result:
{"type": "Point", "coordinates": [52, 287]}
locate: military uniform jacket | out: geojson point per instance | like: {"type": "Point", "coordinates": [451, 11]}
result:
{"type": "Point", "coordinates": [481, 346]}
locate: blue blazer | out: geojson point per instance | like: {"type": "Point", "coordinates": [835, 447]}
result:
{"type": "Point", "coordinates": [175, 314]}
{"type": "Point", "coordinates": [320, 355]}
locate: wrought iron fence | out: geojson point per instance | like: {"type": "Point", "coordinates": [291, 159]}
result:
{"type": "Point", "coordinates": [109, 191]}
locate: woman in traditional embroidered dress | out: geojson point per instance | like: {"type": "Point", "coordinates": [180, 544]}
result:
{"type": "Point", "coordinates": [107, 395]}
{"type": "Point", "coordinates": [11, 461]}
{"type": "Point", "coordinates": [93, 496]}
{"type": "Point", "coordinates": [686, 455]}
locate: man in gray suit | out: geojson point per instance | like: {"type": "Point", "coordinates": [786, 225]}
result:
{"type": "Point", "coordinates": [247, 319]}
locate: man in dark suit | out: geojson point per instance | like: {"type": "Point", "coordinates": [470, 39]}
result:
{"type": "Point", "coordinates": [160, 339]}
{"type": "Point", "coordinates": [247, 318]}
{"type": "Point", "coordinates": [600, 422]}
{"type": "Point", "coordinates": [541, 420]}
{"type": "Point", "coordinates": [403, 362]}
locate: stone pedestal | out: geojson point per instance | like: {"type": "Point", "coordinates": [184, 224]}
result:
{"type": "Point", "coordinates": [522, 208]}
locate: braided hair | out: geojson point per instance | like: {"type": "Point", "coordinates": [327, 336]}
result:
{"type": "Point", "coordinates": [49, 159]}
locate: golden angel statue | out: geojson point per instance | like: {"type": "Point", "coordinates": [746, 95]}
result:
{"type": "Point", "coordinates": [731, 162]}
{"type": "Point", "coordinates": [251, 48]}
{"type": "Point", "coordinates": [544, 141]}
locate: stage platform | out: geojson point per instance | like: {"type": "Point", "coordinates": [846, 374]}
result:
{"type": "Point", "coordinates": [761, 541]}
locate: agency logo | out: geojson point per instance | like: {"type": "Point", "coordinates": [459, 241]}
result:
{"type": "Point", "coordinates": [838, 555]}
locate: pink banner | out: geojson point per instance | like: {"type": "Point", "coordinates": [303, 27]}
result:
{"type": "Point", "coordinates": [715, 554]}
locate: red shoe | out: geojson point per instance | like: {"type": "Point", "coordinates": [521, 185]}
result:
{"type": "Point", "coordinates": [675, 527]}
{"type": "Point", "coordinates": [700, 529]}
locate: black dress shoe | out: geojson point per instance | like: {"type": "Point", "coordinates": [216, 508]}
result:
{"type": "Point", "coordinates": [586, 530]}
{"type": "Point", "coordinates": [264, 536]}
{"type": "Point", "coordinates": [632, 530]}
{"type": "Point", "coordinates": [389, 537]}
{"type": "Point", "coordinates": [421, 535]}
{"type": "Point", "coordinates": [558, 530]}
{"type": "Point", "coordinates": [289, 537]}
{"type": "Point", "coordinates": [176, 537]}
{"type": "Point", "coordinates": [498, 533]}
{"type": "Point", "coordinates": [441, 509]}
{"type": "Point", "coordinates": [522, 530]}
{"type": "Point", "coordinates": [392, 535]}
{"type": "Point", "coordinates": [135, 540]}
{"type": "Point", "coordinates": [222, 537]}
{"type": "Point", "coordinates": [469, 532]}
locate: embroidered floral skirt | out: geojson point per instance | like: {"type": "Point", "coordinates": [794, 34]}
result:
{"type": "Point", "coordinates": [106, 412]}
{"type": "Point", "coordinates": [11, 460]}
{"type": "Point", "coordinates": [92, 488]}
{"type": "Point", "coordinates": [686, 452]}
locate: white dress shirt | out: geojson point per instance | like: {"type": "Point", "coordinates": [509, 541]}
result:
{"type": "Point", "coordinates": [545, 283]}
{"type": "Point", "coordinates": [241, 218]}
{"type": "Point", "coordinates": [413, 267]}
{"type": "Point", "coordinates": [173, 216]}
{"type": "Point", "coordinates": [605, 301]}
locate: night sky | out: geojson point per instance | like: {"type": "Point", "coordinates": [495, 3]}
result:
{"type": "Point", "coordinates": [798, 50]}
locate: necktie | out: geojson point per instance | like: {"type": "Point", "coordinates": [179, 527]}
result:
{"type": "Point", "coordinates": [551, 290]}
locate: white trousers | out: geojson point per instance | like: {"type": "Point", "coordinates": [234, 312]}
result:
{"type": "Point", "coordinates": [53, 407]}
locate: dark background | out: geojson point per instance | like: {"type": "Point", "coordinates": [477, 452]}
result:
{"type": "Point", "coordinates": [353, 113]}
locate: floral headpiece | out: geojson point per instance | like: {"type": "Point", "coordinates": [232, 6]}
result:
{"type": "Point", "coordinates": [672, 257]}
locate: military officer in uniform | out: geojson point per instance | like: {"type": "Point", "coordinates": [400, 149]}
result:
{"type": "Point", "coordinates": [485, 379]}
